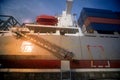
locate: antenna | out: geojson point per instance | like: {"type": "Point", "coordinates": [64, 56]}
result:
{"type": "Point", "coordinates": [69, 6]}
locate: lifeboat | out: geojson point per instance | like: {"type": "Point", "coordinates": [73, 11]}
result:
{"type": "Point", "coordinates": [46, 20]}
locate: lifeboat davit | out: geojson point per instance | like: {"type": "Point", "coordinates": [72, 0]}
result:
{"type": "Point", "coordinates": [46, 20]}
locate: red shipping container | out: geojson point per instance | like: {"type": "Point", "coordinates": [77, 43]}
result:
{"type": "Point", "coordinates": [101, 20]}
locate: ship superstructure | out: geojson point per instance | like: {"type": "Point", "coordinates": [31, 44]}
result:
{"type": "Point", "coordinates": [58, 48]}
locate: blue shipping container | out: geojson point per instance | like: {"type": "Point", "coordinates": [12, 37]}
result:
{"type": "Point", "coordinates": [105, 27]}
{"type": "Point", "coordinates": [90, 12]}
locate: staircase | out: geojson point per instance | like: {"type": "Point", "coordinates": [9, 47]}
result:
{"type": "Point", "coordinates": [59, 52]}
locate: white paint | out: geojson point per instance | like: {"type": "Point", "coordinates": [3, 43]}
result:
{"type": "Point", "coordinates": [59, 70]}
{"type": "Point", "coordinates": [65, 65]}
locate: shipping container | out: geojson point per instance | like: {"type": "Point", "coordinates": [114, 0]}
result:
{"type": "Point", "coordinates": [118, 14]}
{"type": "Point", "coordinates": [97, 10]}
{"type": "Point", "coordinates": [98, 13]}
{"type": "Point", "coordinates": [104, 27]}
{"type": "Point", "coordinates": [101, 20]}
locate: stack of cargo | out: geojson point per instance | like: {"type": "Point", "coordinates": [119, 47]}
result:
{"type": "Point", "coordinates": [99, 20]}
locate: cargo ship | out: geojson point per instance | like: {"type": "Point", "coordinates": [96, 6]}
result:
{"type": "Point", "coordinates": [61, 48]}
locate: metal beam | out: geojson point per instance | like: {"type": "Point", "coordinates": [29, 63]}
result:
{"type": "Point", "coordinates": [9, 22]}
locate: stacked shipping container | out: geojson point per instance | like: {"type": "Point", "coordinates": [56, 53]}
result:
{"type": "Point", "coordinates": [99, 20]}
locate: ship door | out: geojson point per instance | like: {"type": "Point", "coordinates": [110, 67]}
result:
{"type": "Point", "coordinates": [97, 56]}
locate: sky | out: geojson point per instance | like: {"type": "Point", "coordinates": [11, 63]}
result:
{"type": "Point", "coordinates": [28, 10]}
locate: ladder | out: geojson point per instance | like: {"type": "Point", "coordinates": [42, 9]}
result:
{"type": "Point", "coordinates": [59, 52]}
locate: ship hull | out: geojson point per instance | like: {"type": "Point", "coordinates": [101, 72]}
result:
{"type": "Point", "coordinates": [56, 64]}
{"type": "Point", "coordinates": [89, 50]}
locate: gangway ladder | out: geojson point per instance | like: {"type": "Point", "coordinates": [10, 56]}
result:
{"type": "Point", "coordinates": [65, 70]}
{"type": "Point", "coordinates": [58, 51]}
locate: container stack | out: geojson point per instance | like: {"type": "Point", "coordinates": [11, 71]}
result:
{"type": "Point", "coordinates": [102, 21]}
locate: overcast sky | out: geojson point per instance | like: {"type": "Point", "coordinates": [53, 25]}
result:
{"type": "Point", "coordinates": [28, 10]}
